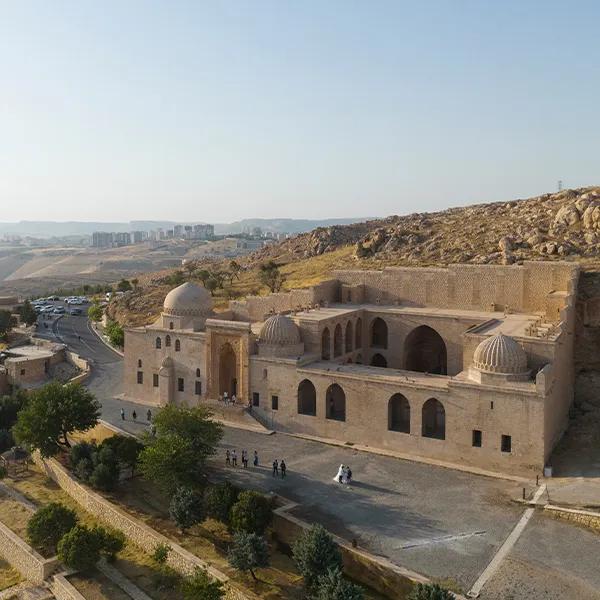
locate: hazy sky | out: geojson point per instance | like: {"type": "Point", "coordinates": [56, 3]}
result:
{"type": "Point", "coordinates": [221, 110]}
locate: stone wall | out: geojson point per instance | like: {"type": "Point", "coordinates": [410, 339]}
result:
{"type": "Point", "coordinates": [585, 518]}
{"type": "Point", "coordinates": [63, 589]}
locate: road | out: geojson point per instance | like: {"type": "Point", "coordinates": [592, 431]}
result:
{"type": "Point", "coordinates": [445, 524]}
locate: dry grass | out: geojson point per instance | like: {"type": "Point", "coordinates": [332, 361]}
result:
{"type": "Point", "coordinates": [15, 516]}
{"type": "Point", "coordinates": [97, 434]}
{"type": "Point", "coordinates": [8, 575]}
{"type": "Point", "coordinates": [97, 587]}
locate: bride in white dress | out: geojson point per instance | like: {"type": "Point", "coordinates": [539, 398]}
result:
{"type": "Point", "coordinates": [341, 475]}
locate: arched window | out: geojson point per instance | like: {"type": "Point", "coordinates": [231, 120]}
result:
{"type": "Point", "coordinates": [425, 351]}
{"type": "Point", "coordinates": [171, 325]}
{"type": "Point", "coordinates": [326, 344]}
{"type": "Point", "coordinates": [379, 360]}
{"type": "Point", "coordinates": [177, 345]}
{"type": "Point", "coordinates": [197, 372]}
{"type": "Point", "coordinates": [265, 373]}
{"type": "Point", "coordinates": [307, 398]}
{"type": "Point", "coordinates": [349, 336]}
{"type": "Point", "coordinates": [434, 419]}
{"type": "Point", "coordinates": [379, 333]}
{"type": "Point", "coordinates": [158, 343]}
{"type": "Point", "coordinates": [335, 403]}
{"type": "Point", "coordinates": [337, 341]}
{"type": "Point", "coordinates": [167, 341]}
{"type": "Point", "coordinates": [139, 363]}
{"type": "Point", "coordinates": [399, 414]}
{"type": "Point", "coordinates": [358, 334]}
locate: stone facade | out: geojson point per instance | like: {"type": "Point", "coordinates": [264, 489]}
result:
{"type": "Point", "coordinates": [469, 364]}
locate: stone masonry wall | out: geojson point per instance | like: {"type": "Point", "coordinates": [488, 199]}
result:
{"type": "Point", "coordinates": [63, 590]}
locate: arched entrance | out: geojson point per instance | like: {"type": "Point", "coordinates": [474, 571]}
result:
{"type": "Point", "coordinates": [335, 403]}
{"type": "Point", "coordinates": [337, 341]}
{"type": "Point", "coordinates": [379, 333]}
{"type": "Point", "coordinates": [326, 344]}
{"type": "Point", "coordinates": [399, 414]}
{"type": "Point", "coordinates": [434, 419]}
{"type": "Point", "coordinates": [307, 398]}
{"type": "Point", "coordinates": [378, 360]}
{"type": "Point", "coordinates": [349, 336]}
{"type": "Point", "coordinates": [425, 351]}
{"type": "Point", "coordinates": [227, 370]}
{"type": "Point", "coordinates": [358, 334]}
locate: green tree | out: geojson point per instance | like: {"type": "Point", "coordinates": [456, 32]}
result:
{"type": "Point", "coordinates": [7, 322]}
{"type": "Point", "coordinates": [115, 333]}
{"type": "Point", "coordinates": [95, 312]}
{"type": "Point", "coordinates": [48, 525]}
{"type": "Point", "coordinates": [270, 275]}
{"type": "Point", "coordinates": [249, 551]}
{"type": "Point", "coordinates": [186, 508]}
{"type": "Point", "coordinates": [235, 268]}
{"type": "Point", "coordinates": [315, 553]}
{"type": "Point", "coordinates": [126, 449]}
{"type": "Point", "coordinates": [203, 275]}
{"type": "Point", "coordinates": [80, 548]}
{"type": "Point", "coordinates": [201, 586]}
{"type": "Point", "coordinates": [124, 285]}
{"type": "Point", "coordinates": [10, 405]}
{"type": "Point", "coordinates": [6, 440]}
{"type": "Point", "coordinates": [111, 542]}
{"type": "Point", "coordinates": [105, 476]}
{"type": "Point", "coordinates": [333, 586]}
{"type": "Point", "coordinates": [212, 285]}
{"type": "Point", "coordinates": [52, 413]}
{"type": "Point", "coordinates": [252, 513]}
{"type": "Point", "coordinates": [161, 553]}
{"type": "Point", "coordinates": [27, 314]}
{"type": "Point", "coordinates": [429, 591]}
{"type": "Point", "coordinates": [219, 499]}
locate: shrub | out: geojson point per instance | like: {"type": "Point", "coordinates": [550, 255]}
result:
{"type": "Point", "coordinates": [251, 513]}
{"type": "Point", "coordinates": [105, 476]}
{"type": "Point", "coordinates": [186, 508]}
{"type": "Point", "coordinates": [249, 551]}
{"type": "Point", "coordinates": [161, 553]}
{"type": "Point", "coordinates": [200, 586]}
{"type": "Point", "coordinates": [429, 591]}
{"type": "Point", "coordinates": [115, 333]}
{"type": "Point", "coordinates": [80, 548]}
{"type": "Point", "coordinates": [111, 542]}
{"type": "Point", "coordinates": [95, 312]}
{"type": "Point", "coordinates": [219, 499]}
{"type": "Point", "coordinates": [81, 451]}
{"type": "Point", "coordinates": [315, 553]}
{"type": "Point", "coordinates": [333, 586]}
{"type": "Point", "coordinates": [84, 469]}
{"type": "Point", "coordinates": [126, 449]}
{"type": "Point", "coordinates": [165, 579]}
{"type": "Point", "coordinates": [48, 525]}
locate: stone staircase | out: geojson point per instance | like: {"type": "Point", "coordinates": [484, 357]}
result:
{"type": "Point", "coordinates": [235, 416]}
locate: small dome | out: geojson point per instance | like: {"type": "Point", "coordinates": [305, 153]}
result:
{"type": "Point", "coordinates": [189, 299]}
{"type": "Point", "coordinates": [279, 330]}
{"type": "Point", "coordinates": [500, 354]}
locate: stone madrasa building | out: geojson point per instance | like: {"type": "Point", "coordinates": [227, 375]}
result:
{"type": "Point", "coordinates": [472, 364]}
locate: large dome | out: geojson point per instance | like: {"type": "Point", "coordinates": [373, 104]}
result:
{"type": "Point", "coordinates": [500, 354]}
{"type": "Point", "coordinates": [279, 330]}
{"type": "Point", "coordinates": [189, 299]}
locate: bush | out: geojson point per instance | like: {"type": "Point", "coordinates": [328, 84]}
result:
{"type": "Point", "coordinates": [96, 465]}
{"type": "Point", "coordinates": [81, 451]}
{"type": "Point", "coordinates": [84, 469]}
{"type": "Point", "coordinates": [79, 549]}
{"type": "Point", "coordinates": [161, 553]}
{"type": "Point", "coordinates": [165, 579]}
{"type": "Point", "coordinates": [48, 525]}
{"type": "Point", "coordinates": [105, 476]}
{"type": "Point", "coordinates": [111, 542]}
{"type": "Point", "coordinates": [251, 513]}
{"type": "Point", "coordinates": [200, 586]}
{"type": "Point", "coordinates": [95, 312]}
{"type": "Point", "coordinates": [249, 551]}
{"type": "Point", "coordinates": [429, 591]}
{"type": "Point", "coordinates": [115, 333]}
{"type": "Point", "coordinates": [315, 553]}
{"type": "Point", "coordinates": [333, 586]}
{"type": "Point", "coordinates": [126, 449]}
{"type": "Point", "coordinates": [186, 508]}
{"type": "Point", "coordinates": [219, 499]}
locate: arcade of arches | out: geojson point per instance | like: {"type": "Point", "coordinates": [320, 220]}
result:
{"type": "Point", "coordinates": [425, 351]}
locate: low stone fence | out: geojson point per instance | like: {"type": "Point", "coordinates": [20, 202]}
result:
{"type": "Point", "coordinates": [82, 364]}
{"type": "Point", "coordinates": [63, 589]}
{"type": "Point", "coordinates": [586, 518]}
{"type": "Point", "coordinates": [134, 530]}
{"type": "Point", "coordinates": [24, 558]}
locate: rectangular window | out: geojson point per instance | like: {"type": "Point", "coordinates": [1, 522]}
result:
{"type": "Point", "coordinates": [506, 444]}
{"type": "Point", "coordinates": [22, 371]}
{"type": "Point", "coordinates": [275, 402]}
{"type": "Point", "coordinates": [476, 438]}
{"type": "Point", "coordinates": [180, 386]}
{"type": "Point", "coordinates": [155, 380]}
{"type": "Point", "coordinates": [198, 388]}
{"type": "Point", "coordinates": [140, 376]}
{"type": "Point", "coordinates": [255, 398]}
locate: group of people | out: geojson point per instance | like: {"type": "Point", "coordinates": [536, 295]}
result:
{"type": "Point", "coordinates": [231, 459]}
{"type": "Point", "coordinates": [134, 415]}
{"type": "Point", "coordinates": [227, 400]}
{"type": "Point", "coordinates": [344, 474]}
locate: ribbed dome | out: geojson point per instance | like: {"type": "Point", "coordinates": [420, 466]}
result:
{"type": "Point", "coordinates": [279, 330]}
{"type": "Point", "coordinates": [500, 354]}
{"type": "Point", "coordinates": [189, 299]}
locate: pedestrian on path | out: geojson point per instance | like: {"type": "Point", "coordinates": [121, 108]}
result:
{"type": "Point", "coordinates": [283, 468]}
{"type": "Point", "coordinates": [134, 415]}
{"type": "Point", "coordinates": [149, 415]}
{"type": "Point", "coordinates": [275, 468]}
{"type": "Point", "coordinates": [255, 458]}
{"type": "Point", "coordinates": [227, 458]}
{"type": "Point", "coordinates": [234, 458]}
{"type": "Point", "coordinates": [122, 414]}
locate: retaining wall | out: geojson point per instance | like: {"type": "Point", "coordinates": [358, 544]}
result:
{"type": "Point", "coordinates": [81, 364]}
{"type": "Point", "coordinates": [63, 589]}
{"type": "Point", "coordinates": [582, 517]}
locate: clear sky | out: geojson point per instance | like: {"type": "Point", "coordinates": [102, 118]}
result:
{"type": "Point", "coordinates": [119, 110]}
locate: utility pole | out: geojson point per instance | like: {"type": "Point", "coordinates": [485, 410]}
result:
{"type": "Point", "coordinates": [560, 185]}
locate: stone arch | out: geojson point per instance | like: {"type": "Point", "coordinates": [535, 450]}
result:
{"type": "Point", "coordinates": [425, 351]}
{"type": "Point", "coordinates": [307, 398]}
{"type": "Point", "coordinates": [227, 370]}
{"type": "Point", "coordinates": [379, 360]}
{"type": "Point", "coordinates": [197, 372]}
{"type": "Point", "coordinates": [335, 403]}
{"type": "Point", "coordinates": [326, 344]}
{"type": "Point", "coordinates": [434, 419]}
{"type": "Point", "coordinates": [177, 345]}
{"type": "Point", "coordinates": [349, 336]}
{"type": "Point", "coordinates": [158, 343]}
{"type": "Point", "coordinates": [399, 414]}
{"type": "Point", "coordinates": [358, 334]}
{"type": "Point", "coordinates": [167, 341]}
{"type": "Point", "coordinates": [379, 333]}
{"type": "Point", "coordinates": [337, 341]}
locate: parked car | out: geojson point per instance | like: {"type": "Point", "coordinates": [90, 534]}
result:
{"type": "Point", "coordinates": [59, 310]}
{"type": "Point", "coordinates": [75, 311]}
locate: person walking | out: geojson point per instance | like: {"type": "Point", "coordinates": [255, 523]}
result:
{"type": "Point", "coordinates": [255, 458]}
{"type": "Point", "coordinates": [134, 415]}
{"type": "Point", "coordinates": [245, 459]}
{"type": "Point", "coordinates": [227, 458]}
{"type": "Point", "coordinates": [225, 399]}
{"type": "Point", "coordinates": [283, 468]}
{"type": "Point", "coordinates": [233, 399]}
{"type": "Point", "coordinates": [122, 414]}
{"type": "Point", "coordinates": [234, 458]}
{"type": "Point", "coordinates": [275, 468]}
{"type": "Point", "coordinates": [149, 415]}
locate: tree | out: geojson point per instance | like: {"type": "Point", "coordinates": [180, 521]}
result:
{"type": "Point", "coordinates": [212, 284]}
{"type": "Point", "coordinates": [7, 322]}
{"type": "Point", "coordinates": [249, 551]}
{"type": "Point", "coordinates": [111, 542]}
{"type": "Point", "coordinates": [27, 314]}
{"type": "Point", "coordinates": [219, 499]}
{"type": "Point", "coordinates": [123, 285]}
{"type": "Point", "coordinates": [203, 275]}
{"type": "Point", "coordinates": [315, 553]}
{"type": "Point", "coordinates": [6, 440]}
{"type": "Point", "coordinates": [52, 413]}
{"type": "Point", "coordinates": [200, 586]}
{"type": "Point", "coordinates": [48, 525]}
{"type": "Point", "coordinates": [235, 268]}
{"type": "Point", "coordinates": [80, 548]}
{"type": "Point", "coordinates": [186, 508]}
{"type": "Point", "coordinates": [252, 513]}
{"type": "Point", "coordinates": [333, 586]}
{"type": "Point", "coordinates": [115, 333]}
{"type": "Point", "coordinates": [95, 312]}
{"type": "Point", "coordinates": [429, 591]}
{"type": "Point", "coordinates": [270, 275]}
{"type": "Point", "coordinates": [126, 449]}
{"type": "Point", "coordinates": [10, 405]}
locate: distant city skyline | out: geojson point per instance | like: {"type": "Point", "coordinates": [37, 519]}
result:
{"type": "Point", "coordinates": [217, 112]}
